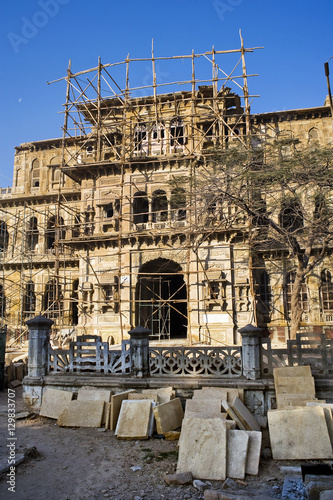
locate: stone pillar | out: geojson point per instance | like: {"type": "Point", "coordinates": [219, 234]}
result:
{"type": "Point", "coordinates": [39, 334]}
{"type": "Point", "coordinates": [139, 349]}
{"type": "Point", "coordinates": [251, 351]}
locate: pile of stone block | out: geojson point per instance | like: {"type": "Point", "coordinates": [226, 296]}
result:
{"type": "Point", "coordinates": [130, 414]}
{"type": "Point", "coordinates": [88, 410]}
{"type": "Point", "coordinates": [210, 445]}
{"type": "Point", "coordinates": [138, 413]}
{"type": "Point", "coordinates": [301, 427]}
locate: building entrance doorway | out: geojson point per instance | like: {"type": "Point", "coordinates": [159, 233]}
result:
{"type": "Point", "coordinates": [161, 299]}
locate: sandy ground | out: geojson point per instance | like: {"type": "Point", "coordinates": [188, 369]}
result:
{"type": "Point", "coordinates": [85, 464]}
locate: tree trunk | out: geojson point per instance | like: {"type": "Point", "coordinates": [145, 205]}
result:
{"type": "Point", "coordinates": [296, 307]}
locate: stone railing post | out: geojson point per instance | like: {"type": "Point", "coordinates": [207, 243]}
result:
{"type": "Point", "coordinates": [139, 350]}
{"type": "Point", "coordinates": [251, 351]}
{"type": "Point", "coordinates": [39, 335]}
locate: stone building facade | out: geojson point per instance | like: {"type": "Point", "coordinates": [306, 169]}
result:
{"type": "Point", "coordinates": [95, 235]}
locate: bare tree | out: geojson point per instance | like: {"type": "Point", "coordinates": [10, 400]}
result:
{"type": "Point", "coordinates": [279, 197]}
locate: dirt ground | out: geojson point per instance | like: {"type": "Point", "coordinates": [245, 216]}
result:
{"type": "Point", "coordinates": [86, 464]}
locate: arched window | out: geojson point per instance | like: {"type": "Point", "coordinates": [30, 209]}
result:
{"type": "Point", "coordinates": [313, 136]}
{"type": "Point", "coordinates": [157, 138]}
{"type": "Point", "coordinates": [55, 170]}
{"type": "Point", "coordinates": [29, 300]}
{"type": "Point", "coordinates": [140, 207]}
{"type": "Point", "coordinates": [32, 234]}
{"type": "Point", "coordinates": [141, 138]}
{"type": "Point", "coordinates": [291, 216]}
{"type": "Point", "coordinates": [160, 206]}
{"type": "Point", "coordinates": [108, 211]}
{"type": "Point", "coordinates": [177, 133]}
{"type": "Point", "coordinates": [3, 236]}
{"type": "Point", "coordinates": [178, 204]}
{"type": "Point", "coordinates": [35, 173]}
{"type": "Point", "coordinates": [289, 282]}
{"type": "Point", "coordinates": [52, 300]}
{"type": "Point", "coordinates": [326, 290]}
{"type": "Point", "coordinates": [51, 231]}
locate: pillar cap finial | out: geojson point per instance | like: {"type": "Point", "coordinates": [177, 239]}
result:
{"type": "Point", "coordinates": [250, 330]}
{"type": "Point", "coordinates": [39, 321]}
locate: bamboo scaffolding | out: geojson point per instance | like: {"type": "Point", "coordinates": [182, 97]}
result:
{"type": "Point", "coordinates": [81, 107]}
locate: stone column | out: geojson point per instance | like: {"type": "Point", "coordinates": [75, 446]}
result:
{"type": "Point", "coordinates": [251, 351]}
{"type": "Point", "coordinates": [139, 349]}
{"type": "Point", "coordinates": [39, 334]}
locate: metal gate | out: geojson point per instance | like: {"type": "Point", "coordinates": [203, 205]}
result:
{"type": "Point", "coordinates": [154, 305]}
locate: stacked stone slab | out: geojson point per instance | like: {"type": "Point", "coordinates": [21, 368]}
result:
{"type": "Point", "coordinates": [294, 386]}
{"type": "Point", "coordinates": [298, 431]}
{"type": "Point", "coordinates": [132, 414]}
{"type": "Point", "coordinates": [210, 447]}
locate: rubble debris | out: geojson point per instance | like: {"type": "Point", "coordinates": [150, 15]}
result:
{"type": "Point", "coordinates": [180, 478]}
{"type": "Point", "coordinates": [293, 489]}
{"type": "Point", "coordinates": [200, 485]}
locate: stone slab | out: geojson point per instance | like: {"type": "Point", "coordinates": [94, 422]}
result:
{"type": "Point", "coordinates": [116, 400]}
{"type": "Point", "coordinates": [107, 412]}
{"type": "Point", "coordinates": [87, 393]}
{"type": "Point", "coordinates": [329, 423]}
{"type": "Point", "coordinates": [253, 452]}
{"type": "Point", "coordinates": [292, 400]}
{"type": "Point", "coordinates": [237, 445]}
{"type": "Point", "coordinates": [295, 385]}
{"type": "Point", "coordinates": [210, 393]}
{"type": "Point", "coordinates": [165, 394]}
{"type": "Point", "coordinates": [204, 408]}
{"type": "Point", "coordinates": [321, 403]}
{"type": "Point", "coordinates": [233, 415]}
{"type": "Point", "coordinates": [299, 434]}
{"type": "Point", "coordinates": [54, 402]}
{"type": "Point", "coordinates": [292, 371]}
{"type": "Point", "coordinates": [245, 415]}
{"type": "Point", "coordinates": [203, 448]}
{"type": "Point", "coordinates": [168, 416]}
{"type": "Point", "coordinates": [152, 395]}
{"type": "Point", "coordinates": [91, 394]}
{"type": "Point", "coordinates": [82, 414]}
{"type": "Point", "coordinates": [220, 392]}
{"type": "Point", "coordinates": [134, 420]}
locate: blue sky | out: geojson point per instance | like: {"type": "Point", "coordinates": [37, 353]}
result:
{"type": "Point", "coordinates": [38, 37]}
